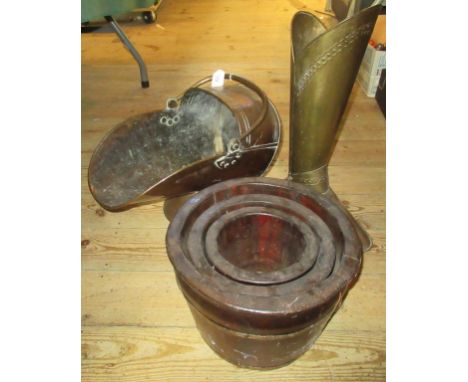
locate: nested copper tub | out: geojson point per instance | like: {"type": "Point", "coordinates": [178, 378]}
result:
{"type": "Point", "coordinates": [263, 264]}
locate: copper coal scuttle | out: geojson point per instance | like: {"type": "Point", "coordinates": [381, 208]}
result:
{"type": "Point", "coordinates": [263, 263]}
{"type": "Point", "coordinates": [207, 135]}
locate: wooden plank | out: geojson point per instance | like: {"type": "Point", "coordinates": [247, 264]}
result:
{"type": "Point", "coordinates": [144, 250]}
{"type": "Point", "coordinates": [220, 28]}
{"type": "Point", "coordinates": [124, 101]}
{"type": "Point", "coordinates": [349, 180]}
{"type": "Point", "coordinates": [153, 299]}
{"type": "Point", "coordinates": [177, 354]}
{"type": "Point", "coordinates": [369, 208]}
{"type": "Point", "coordinates": [358, 153]}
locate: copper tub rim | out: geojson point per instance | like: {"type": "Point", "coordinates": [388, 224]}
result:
{"type": "Point", "coordinates": [336, 284]}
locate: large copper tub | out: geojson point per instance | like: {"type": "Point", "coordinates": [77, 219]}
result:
{"type": "Point", "coordinates": [263, 264]}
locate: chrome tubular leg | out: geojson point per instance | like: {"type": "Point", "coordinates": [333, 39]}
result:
{"type": "Point", "coordinates": [133, 51]}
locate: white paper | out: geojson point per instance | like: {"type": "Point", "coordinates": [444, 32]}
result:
{"type": "Point", "coordinates": [217, 80]}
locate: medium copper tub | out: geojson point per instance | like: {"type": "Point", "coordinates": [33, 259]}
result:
{"type": "Point", "coordinates": [263, 264]}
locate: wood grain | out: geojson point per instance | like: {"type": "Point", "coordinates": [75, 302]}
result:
{"type": "Point", "coordinates": [151, 298]}
{"type": "Point", "coordinates": [136, 325]}
{"type": "Point", "coordinates": [178, 354]}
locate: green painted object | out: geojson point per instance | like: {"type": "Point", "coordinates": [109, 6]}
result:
{"type": "Point", "coordinates": [97, 9]}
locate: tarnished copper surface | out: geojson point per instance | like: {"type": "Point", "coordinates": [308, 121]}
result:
{"type": "Point", "coordinates": [263, 264]}
{"type": "Point", "coordinates": [202, 137]}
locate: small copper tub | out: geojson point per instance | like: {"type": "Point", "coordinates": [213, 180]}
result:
{"type": "Point", "coordinates": [263, 264]}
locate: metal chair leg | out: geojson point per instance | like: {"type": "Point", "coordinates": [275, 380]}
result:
{"type": "Point", "coordinates": [143, 72]}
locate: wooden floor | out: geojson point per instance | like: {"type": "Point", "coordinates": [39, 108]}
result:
{"type": "Point", "coordinates": [136, 325]}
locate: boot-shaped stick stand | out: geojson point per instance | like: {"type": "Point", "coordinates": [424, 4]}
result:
{"type": "Point", "coordinates": [324, 65]}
